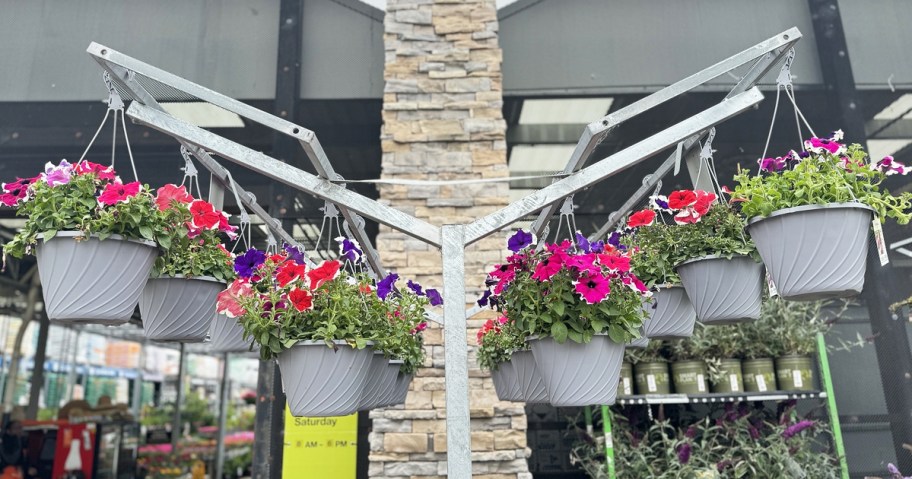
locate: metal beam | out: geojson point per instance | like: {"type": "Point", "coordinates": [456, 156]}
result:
{"type": "Point", "coordinates": [289, 175]}
{"type": "Point", "coordinates": [553, 194]}
{"type": "Point", "coordinates": [597, 131]}
{"type": "Point", "coordinates": [459, 447]}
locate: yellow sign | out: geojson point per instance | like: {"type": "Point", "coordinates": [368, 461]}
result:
{"type": "Point", "coordinates": [324, 447]}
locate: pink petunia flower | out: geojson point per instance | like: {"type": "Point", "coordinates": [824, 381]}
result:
{"type": "Point", "coordinates": [615, 262]}
{"type": "Point", "coordinates": [117, 192]}
{"type": "Point", "coordinates": [593, 288]}
{"type": "Point", "coordinates": [583, 262]}
{"type": "Point", "coordinates": [704, 202]}
{"type": "Point", "coordinates": [169, 194]}
{"type": "Point", "coordinates": [823, 145]}
{"type": "Point", "coordinates": [101, 172]}
{"type": "Point", "coordinates": [550, 265]}
{"type": "Point", "coordinates": [227, 300]}
{"type": "Point", "coordinates": [205, 217]}
{"type": "Point", "coordinates": [890, 167]}
{"type": "Point", "coordinates": [687, 216]}
{"type": "Point", "coordinates": [57, 175]}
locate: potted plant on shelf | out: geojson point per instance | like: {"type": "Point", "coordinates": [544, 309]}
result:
{"type": "Point", "coordinates": [577, 305]}
{"type": "Point", "coordinates": [93, 236]}
{"type": "Point", "coordinates": [650, 369]}
{"type": "Point", "coordinates": [791, 332]}
{"type": "Point", "coordinates": [178, 302]}
{"type": "Point", "coordinates": [688, 369]}
{"type": "Point", "coordinates": [757, 351]}
{"type": "Point", "coordinates": [670, 313]}
{"type": "Point", "coordinates": [722, 358]}
{"type": "Point", "coordinates": [810, 213]}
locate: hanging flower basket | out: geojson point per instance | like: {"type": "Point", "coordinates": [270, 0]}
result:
{"type": "Point", "coordinates": [323, 381]}
{"type": "Point", "coordinates": [178, 308]}
{"type": "Point", "coordinates": [815, 252]}
{"type": "Point", "coordinates": [723, 290]}
{"type": "Point", "coordinates": [671, 314]}
{"type": "Point", "coordinates": [86, 280]}
{"type": "Point", "coordinates": [531, 384]}
{"type": "Point", "coordinates": [506, 383]}
{"type": "Point", "coordinates": [226, 335]}
{"type": "Point", "coordinates": [400, 391]}
{"type": "Point", "coordinates": [579, 374]}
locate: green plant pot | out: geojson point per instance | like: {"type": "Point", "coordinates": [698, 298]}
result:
{"type": "Point", "coordinates": [652, 378]}
{"type": "Point", "coordinates": [795, 373]}
{"type": "Point", "coordinates": [732, 380]}
{"type": "Point", "coordinates": [689, 377]}
{"type": "Point", "coordinates": [625, 384]}
{"type": "Point", "coordinates": [759, 375]}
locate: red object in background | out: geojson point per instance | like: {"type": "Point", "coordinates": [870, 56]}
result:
{"type": "Point", "coordinates": [66, 433]}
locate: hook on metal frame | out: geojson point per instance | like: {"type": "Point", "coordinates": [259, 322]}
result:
{"type": "Point", "coordinates": [115, 102]}
{"type": "Point", "coordinates": [784, 79]}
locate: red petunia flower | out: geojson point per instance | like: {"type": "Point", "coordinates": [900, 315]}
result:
{"type": "Point", "coordinates": [326, 271]}
{"type": "Point", "coordinates": [114, 193]}
{"type": "Point", "coordinates": [289, 272]}
{"type": "Point", "coordinates": [615, 262]}
{"type": "Point", "coordinates": [167, 195]}
{"type": "Point", "coordinates": [301, 299]}
{"type": "Point", "coordinates": [101, 172]}
{"type": "Point", "coordinates": [205, 217]}
{"type": "Point", "coordinates": [681, 199]}
{"type": "Point", "coordinates": [641, 218]}
{"type": "Point", "coordinates": [704, 202]}
{"type": "Point", "coordinates": [227, 302]}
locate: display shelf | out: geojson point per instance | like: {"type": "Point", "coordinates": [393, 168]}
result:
{"type": "Point", "coordinates": [717, 398]}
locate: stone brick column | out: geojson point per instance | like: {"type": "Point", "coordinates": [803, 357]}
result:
{"type": "Point", "coordinates": [442, 119]}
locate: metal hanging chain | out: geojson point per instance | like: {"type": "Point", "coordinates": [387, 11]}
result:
{"type": "Point", "coordinates": [115, 104]}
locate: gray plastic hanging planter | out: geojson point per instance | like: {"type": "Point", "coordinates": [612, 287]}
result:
{"type": "Point", "coordinates": [179, 309]}
{"type": "Point", "coordinates": [226, 335]}
{"type": "Point", "coordinates": [401, 389]}
{"type": "Point", "coordinates": [723, 291]}
{"type": "Point", "coordinates": [389, 391]}
{"type": "Point", "coordinates": [531, 385]}
{"type": "Point", "coordinates": [579, 374]}
{"type": "Point", "coordinates": [379, 378]}
{"type": "Point", "coordinates": [321, 381]}
{"type": "Point", "coordinates": [506, 383]}
{"type": "Point", "coordinates": [638, 343]}
{"type": "Point", "coordinates": [815, 252]}
{"type": "Point", "coordinates": [671, 314]}
{"type": "Point", "coordinates": [90, 281]}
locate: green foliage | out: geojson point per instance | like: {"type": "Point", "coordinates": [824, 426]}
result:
{"type": "Point", "coordinates": [74, 207]}
{"type": "Point", "coordinates": [738, 444]}
{"type": "Point", "coordinates": [791, 327]}
{"type": "Point", "coordinates": [397, 333]}
{"type": "Point", "coordinates": [201, 255]}
{"type": "Point", "coordinates": [553, 308]}
{"type": "Point", "coordinates": [818, 180]}
{"type": "Point", "coordinates": [655, 351]}
{"type": "Point", "coordinates": [497, 341]}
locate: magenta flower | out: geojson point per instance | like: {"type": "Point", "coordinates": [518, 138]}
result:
{"type": "Point", "coordinates": [549, 266]}
{"type": "Point", "coordinates": [684, 453]}
{"type": "Point", "coordinates": [593, 288]}
{"type": "Point", "coordinates": [772, 164]}
{"type": "Point", "coordinates": [635, 284]}
{"type": "Point", "coordinates": [796, 428]}
{"type": "Point", "coordinates": [583, 263]}
{"type": "Point", "coordinates": [889, 167]}
{"type": "Point", "coordinates": [614, 262]}
{"type": "Point", "coordinates": [823, 145]}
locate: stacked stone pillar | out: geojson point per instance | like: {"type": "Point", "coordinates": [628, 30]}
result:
{"type": "Point", "coordinates": [442, 120]}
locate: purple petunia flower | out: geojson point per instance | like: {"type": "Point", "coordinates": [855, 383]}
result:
{"type": "Point", "coordinates": [434, 296]}
{"type": "Point", "coordinates": [796, 428]}
{"type": "Point", "coordinates": [659, 202]}
{"type": "Point", "coordinates": [483, 301]}
{"type": "Point", "coordinates": [415, 287]}
{"type": "Point", "coordinates": [519, 240]}
{"type": "Point", "coordinates": [615, 240]}
{"type": "Point", "coordinates": [57, 175]}
{"type": "Point", "coordinates": [349, 250]}
{"type": "Point", "coordinates": [245, 265]}
{"type": "Point", "coordinates": [583, 243]}
{"type": "Point", "coordinates": [293, 252]}
{"type": "Point", "coordinates": [385, 285]}
{"type": "Point", "coordinates": [772, 164]}
{"type": "Point", "coordinates": [684, 453]}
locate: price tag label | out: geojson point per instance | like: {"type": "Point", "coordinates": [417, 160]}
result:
{"type": "Point", "coordinates": [761, 382]}
{"type": "Point", "coordinates": [796, 378]}
{"type": "Point", "coordinates": [880, 242]}
{"type": "Point", "coordinates": [733, 380]}
{"type": "Point", "coordinates": [651, 383]}
{"type": "Point", "coordinates": [772, 287]}
{"type": "Point", "coordinates": [609, 441]}
{"type": "Point", "coordinates": [701, 383]}
{"type": "Point", "coordinates": [627, 389]}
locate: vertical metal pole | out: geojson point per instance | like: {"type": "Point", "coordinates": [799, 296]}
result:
{"type": "Point", "coordinates": [609, 442]}
{"type": "Point", "coordinates": [13, 377]}
{"type": "Point", "coordinates": [827, 381]}
{"type": "Point", "coordinates": [178, 400]}
{"type": "Point", "coordinates": [224, 390]}
{"type": "Point", "coordinates": [881, 286]}
{"type": "Point", "coordinates": [269, 430]}
{"type": "Point", "coordinates": [138, 382]}
{"type": "Point", "coordinates": [37, 381]}
{"type": "Point", "coordinates": [459, 450]}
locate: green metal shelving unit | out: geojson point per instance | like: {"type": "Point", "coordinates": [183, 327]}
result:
{"type": "Point", "coordinates": [826, 381]}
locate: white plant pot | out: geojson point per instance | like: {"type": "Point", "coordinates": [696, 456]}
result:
{"type": "Point", "coordinates": [579, 374]}
{"type": "Point", "coordinates": [723, 291]}
{"type": "Point", "coordinates": [671, 314]}
{"type": "Point", "coordinates": [320, 381]}
{"type": "Point", "coordinates": [178, 308]}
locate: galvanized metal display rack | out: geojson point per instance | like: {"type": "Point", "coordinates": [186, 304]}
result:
{"type": "Point", "coordinates": [147, 85]}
